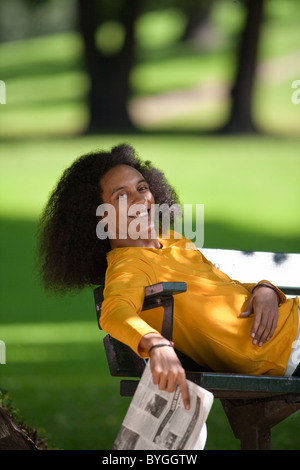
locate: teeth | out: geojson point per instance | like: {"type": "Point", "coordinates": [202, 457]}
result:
{"type": "Point", "coordinates": [143, 214]}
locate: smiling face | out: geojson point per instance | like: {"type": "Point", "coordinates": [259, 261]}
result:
{"type": "Point", "coordinates": [125, 188]}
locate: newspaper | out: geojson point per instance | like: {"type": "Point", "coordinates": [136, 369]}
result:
{"type": "Point", "coordinates": [157, 420]}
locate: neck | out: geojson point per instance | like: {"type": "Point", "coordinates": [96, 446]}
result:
{"type": "Point", "coordinates": [139, 243]}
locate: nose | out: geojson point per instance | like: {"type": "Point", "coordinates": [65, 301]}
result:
{"type": "Point", "coordinates": [139, 198]}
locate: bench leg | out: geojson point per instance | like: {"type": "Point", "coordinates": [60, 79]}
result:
{"type": "Point", "coordinates": [256, 439]}
{"type": "Point", "coordinates": [246, 422]}
{"type": "Point", "coordinates": [252, 420]}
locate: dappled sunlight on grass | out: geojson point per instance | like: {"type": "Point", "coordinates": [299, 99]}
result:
{"type": "Point", "coordinates": [50, 333]}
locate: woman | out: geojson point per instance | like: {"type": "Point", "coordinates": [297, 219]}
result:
{"type": "Point", "coordinates": [213, 321]}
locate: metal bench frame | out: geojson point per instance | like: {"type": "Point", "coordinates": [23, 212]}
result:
{"type": "Point", "coordinates": [253, 404]}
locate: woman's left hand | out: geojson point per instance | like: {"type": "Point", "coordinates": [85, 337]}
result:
{"type": "Point", "coordinates": [264, 304]}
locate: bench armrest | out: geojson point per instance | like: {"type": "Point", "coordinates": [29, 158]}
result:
{"type": "Point", "coordinates": [122, 360]}
{"type": "Point", "coordinates": [155, 296]}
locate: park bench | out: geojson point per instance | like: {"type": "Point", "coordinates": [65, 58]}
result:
{"type": "Point", "coordinates": [253, 404]}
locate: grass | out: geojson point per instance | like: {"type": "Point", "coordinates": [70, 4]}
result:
{"type": "Point", "coordinates": [55, 369]}
{"type": "Point", "coordinates": [251, 173]}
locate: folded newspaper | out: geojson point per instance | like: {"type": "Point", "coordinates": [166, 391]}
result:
{"type": "Point", "coordinates": [157, 420]}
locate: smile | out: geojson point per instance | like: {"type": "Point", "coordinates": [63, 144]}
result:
{"type": "Point", "coordinates": [140, 215]}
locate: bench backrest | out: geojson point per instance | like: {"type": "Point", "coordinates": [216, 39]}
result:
{"type": "Point", "coordinates": [282, 269]}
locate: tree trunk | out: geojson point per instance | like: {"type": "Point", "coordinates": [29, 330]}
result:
{"type": "Point", "coordinates": [11, 437]}
{"type": "Point", "coordinates": [198, 15]}
{"type": "Point", "coordinates": [241, 120]}
{"type": "Point", "coordinates": [109, 75]}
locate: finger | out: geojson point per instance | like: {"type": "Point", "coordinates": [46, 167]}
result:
{"type": "Point", "coordinates": [264, 330]}
{"type": "Point", "coordinates": [270, 328]}
{"type": "Point", "coordinates": [267, 326]}
{"type": "Point", "coordinates": [274, 326]}
{"type": "Point", "coordinates": [245, 314]}
{"type": "Point", "coordinates": [171, 381]}
{"type": "Point", "coordinates": [155, 376]}
{"type": "Point", "coordinates": [256, 325]}
{"type": "Point", "coordinates": [163, 381]}
{"type": "Point", "coordinates": [182, 383]}
{"type": "Point", "coordinates": [249, 309]}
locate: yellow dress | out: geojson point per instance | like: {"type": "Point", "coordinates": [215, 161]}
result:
{"type": "Point", "coordinates": [207, 326]}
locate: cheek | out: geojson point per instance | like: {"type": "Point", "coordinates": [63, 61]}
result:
{"type": "Point", "coordinates": [150, 198]}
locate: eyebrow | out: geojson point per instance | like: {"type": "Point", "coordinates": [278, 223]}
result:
{"type": "Point", "coordinates": [124, 187]}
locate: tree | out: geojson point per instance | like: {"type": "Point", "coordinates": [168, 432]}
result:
{"type": "Point", "coordinates": [241, 119]}
{"type": "Point", "coordinates": [197, 14]}
{"type": "Point", "coordinates": [109, 74]}
{"type": "Point", "coordinates": [11, 436]}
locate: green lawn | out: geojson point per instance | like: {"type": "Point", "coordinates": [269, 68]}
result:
{"type": "Point", "coordinates": [55, 369]}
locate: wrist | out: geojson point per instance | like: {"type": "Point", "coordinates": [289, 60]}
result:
{"type": "Point", "coordinates": [268, 286]}
{"type": "Point", "coordinates": [169, 344]}
{"type": "Point", "coordinates": [149, 340]}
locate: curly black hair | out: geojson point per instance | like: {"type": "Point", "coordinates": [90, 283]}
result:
{"type": "Point", "coordinates": [70, 255]}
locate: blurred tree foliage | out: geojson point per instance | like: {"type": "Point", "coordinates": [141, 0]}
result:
{"type": "Point", "coordinates": [109, 68]}
{"type": "Point", "coordinates": [108, 31]}
{"type": "Point", "coordinates": [22, 19]}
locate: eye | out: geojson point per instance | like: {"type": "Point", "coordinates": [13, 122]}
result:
{"type": "Point", "coordinates": [144, 188]}
{"type": "Point", "coordinates": [122, 195]}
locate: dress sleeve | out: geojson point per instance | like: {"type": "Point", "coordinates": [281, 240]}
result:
{"type": "Point", "coordinates": [123, 300]}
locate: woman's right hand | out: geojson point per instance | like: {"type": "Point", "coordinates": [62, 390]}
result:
{"type": "Point", "coordinates": [167, 371]}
